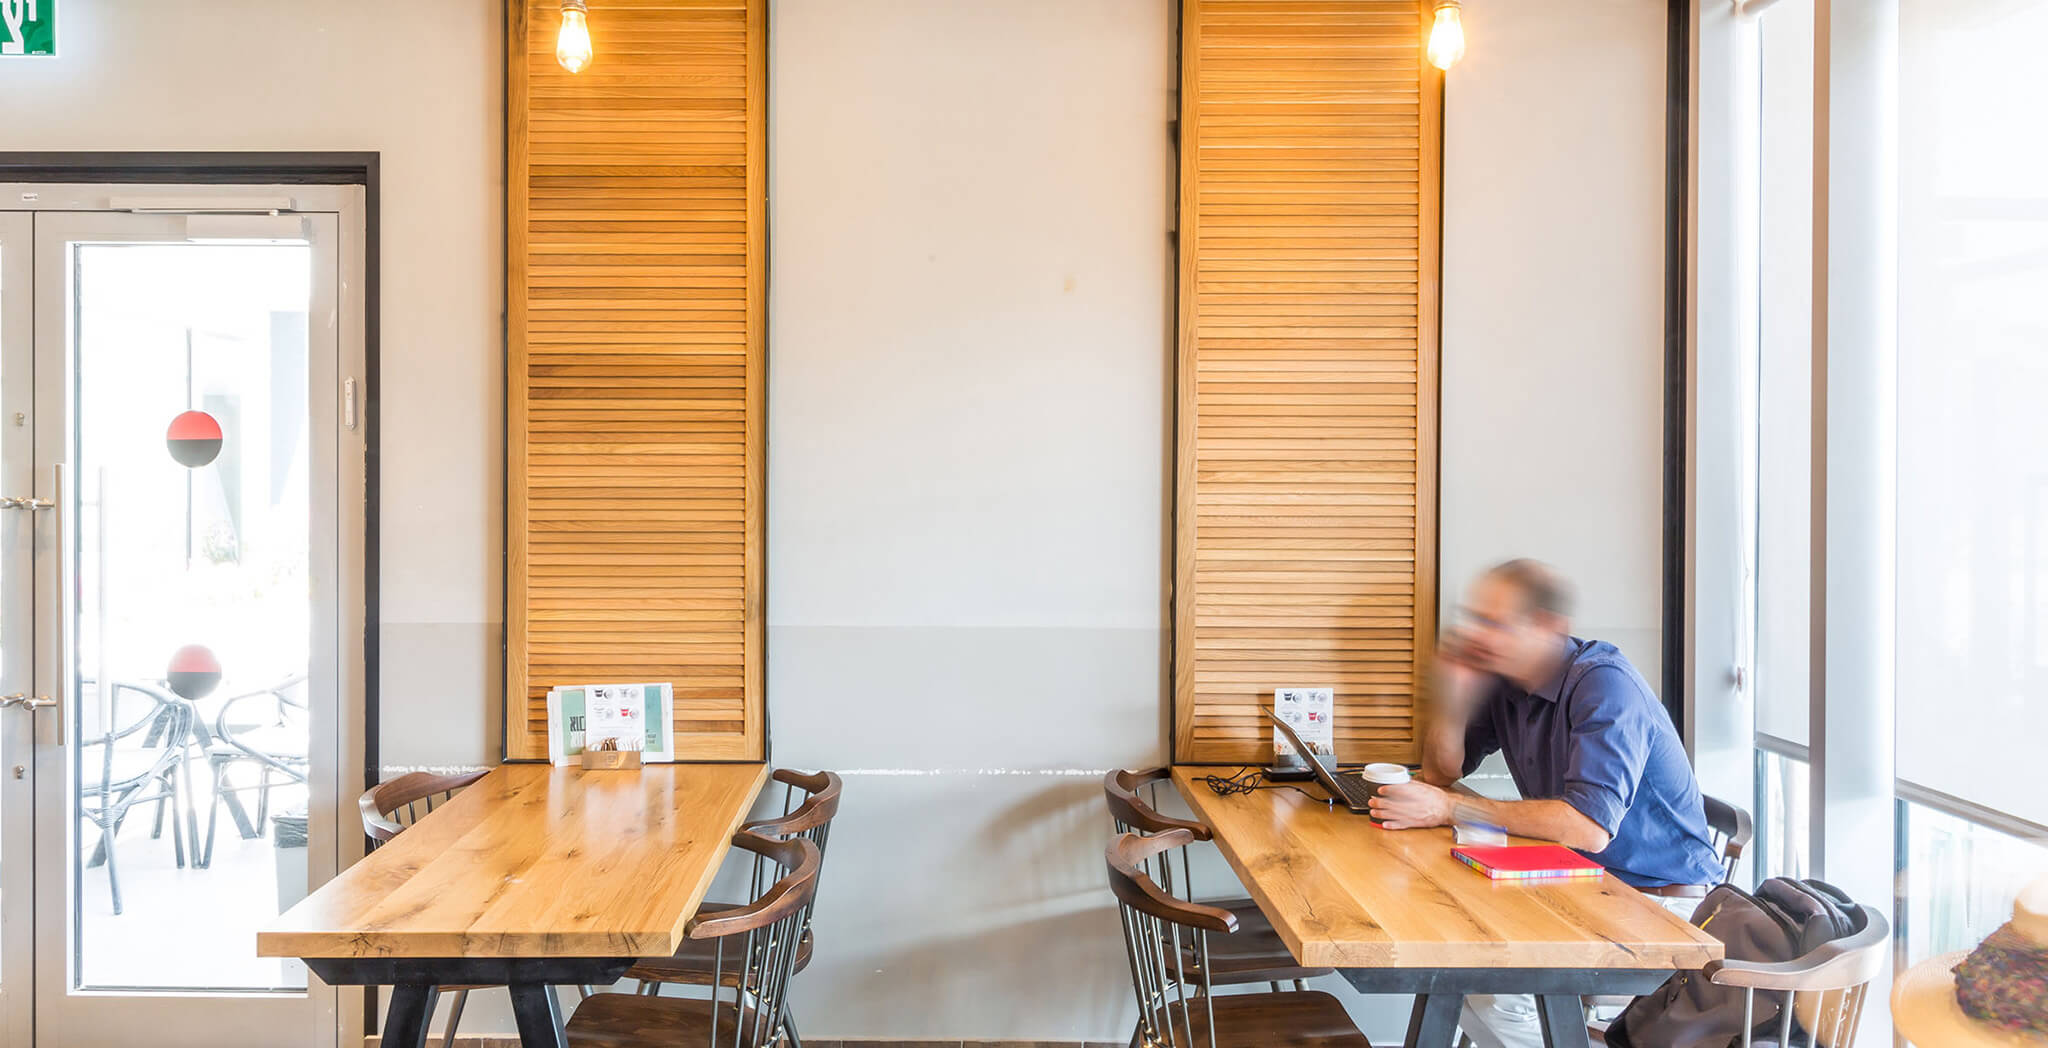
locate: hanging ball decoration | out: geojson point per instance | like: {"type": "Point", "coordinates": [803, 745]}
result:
{"type": "Point", "coordinates": [194, 672]}
{"type": "Point", "coordinates": [194, 439]}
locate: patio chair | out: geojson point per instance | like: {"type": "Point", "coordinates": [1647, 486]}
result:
{"type": "Point", "coordinates": [126, 762]}
{"type": "Point", "coordinates": [274, 742]}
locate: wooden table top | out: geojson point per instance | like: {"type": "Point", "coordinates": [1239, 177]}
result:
{"type": "Point", "coordinates": [534, 861]}
{"type": "Point", "coordinates": [1344, 893]}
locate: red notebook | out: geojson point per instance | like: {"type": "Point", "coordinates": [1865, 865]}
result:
{"type": "Point", "coordinates": [1522, 862]}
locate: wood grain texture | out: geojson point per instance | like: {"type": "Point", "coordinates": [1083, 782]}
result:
{"type": "Point", "coordinates": [635, 371]}
{"type": "Point", "coordinates": [1305, 481]}
{"type": "Point", "coordinates": [1344, 893]}
{"type": "Point", "coordinates": [534, 861]}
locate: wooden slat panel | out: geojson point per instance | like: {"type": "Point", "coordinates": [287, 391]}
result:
{"type": "Point", "coordinates": [635, 406]}
{"type": "Point", "coordinates": [1305, 532]}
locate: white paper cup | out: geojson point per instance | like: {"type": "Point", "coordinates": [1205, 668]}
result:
{"type": "Point", "coordinates": [1378, 775]}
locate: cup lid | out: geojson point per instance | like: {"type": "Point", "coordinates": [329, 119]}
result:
{"type": "Point", "coordinates": [1386, 773]}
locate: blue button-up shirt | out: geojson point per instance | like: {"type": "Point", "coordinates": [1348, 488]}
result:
{"type": "Point", "coordinates": [1596, 738]}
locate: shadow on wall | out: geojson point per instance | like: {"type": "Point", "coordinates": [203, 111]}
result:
{"type": "Point", "coordinates": [964, 905]}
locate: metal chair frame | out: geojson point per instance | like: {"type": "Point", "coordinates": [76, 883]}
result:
{"type": "Point", "coordinates": [169, 726]}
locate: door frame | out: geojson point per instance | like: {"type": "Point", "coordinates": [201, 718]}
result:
{"type": "Point", "coordinates": [17, 733]}
{"type": "Point", "coordinates": [346, 184]}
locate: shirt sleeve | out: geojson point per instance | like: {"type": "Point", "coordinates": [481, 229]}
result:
{"type": "Point", "coordinates": [1481, 740]}
{"type": "Point", "coordinates": [1610, 747]}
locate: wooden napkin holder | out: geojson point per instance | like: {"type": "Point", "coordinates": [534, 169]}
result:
{"type": "Point", "coordinates": [611, 760]}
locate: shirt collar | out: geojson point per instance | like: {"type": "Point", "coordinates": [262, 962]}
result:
{"type": "Point", "coordinates": [1554, 689]}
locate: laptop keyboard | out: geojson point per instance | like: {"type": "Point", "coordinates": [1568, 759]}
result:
{"type": "Point", "coordinates": [1354, 789]}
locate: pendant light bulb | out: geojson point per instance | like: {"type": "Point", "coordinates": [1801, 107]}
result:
{"type": "Point", "coordinates": [572, 45]}
{"type": "Point", "coordinates": [1447, 36]}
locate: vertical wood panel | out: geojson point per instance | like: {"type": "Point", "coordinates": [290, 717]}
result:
{"type": "Point", "coordinates": [1306, 460]}
{"type": "Point", "coordinates": [635, 329]}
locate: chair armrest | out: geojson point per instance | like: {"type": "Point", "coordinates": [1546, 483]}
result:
{"type": "Point", "coordinates": [1848, 961]}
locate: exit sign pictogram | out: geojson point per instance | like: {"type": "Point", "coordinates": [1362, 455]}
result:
{"type": "Point", "coordinates": [28, 28]}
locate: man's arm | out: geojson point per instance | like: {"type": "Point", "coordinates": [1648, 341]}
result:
{"type": "Point", "coordinates": [1460, 690]}
{"type": "Point", "coordinates": [1417, 805]}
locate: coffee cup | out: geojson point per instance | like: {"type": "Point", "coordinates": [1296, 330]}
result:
{"type": "Point", "coordinates": [1379, 776]}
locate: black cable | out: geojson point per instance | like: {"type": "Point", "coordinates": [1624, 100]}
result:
{"type": "Point", "coordinates": [1247, 780]}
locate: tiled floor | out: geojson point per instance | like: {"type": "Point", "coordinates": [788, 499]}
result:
{"type": "Point", "coordinates": [184, 928]}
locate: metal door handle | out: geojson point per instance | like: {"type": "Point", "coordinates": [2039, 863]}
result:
{"type": "Point", "coordinates": [28, 502]}
{"type": "Point", "coordinates": [28, 702]}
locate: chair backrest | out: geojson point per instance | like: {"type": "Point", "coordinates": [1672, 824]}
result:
{"type": "Point", "coordinates": [1825, 989]}
{"type": "Point", "coordinates": [1158, 927]}
{"type": "Point", "coordinates": [1132, 811]}
{"type": "Point", "coordinates": [810, 820]}
{"type": "Point", "coordinates": [1730, 829]}
{"type": "Point", "coordinates": [390, 807]}
{"type": "Point", "coordinates": [812, 817]}
{"type": "Point", "coordinates": [758, 943]}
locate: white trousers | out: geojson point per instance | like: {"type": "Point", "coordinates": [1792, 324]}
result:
{"type": "Point", "coordinates": [1509, 1020]}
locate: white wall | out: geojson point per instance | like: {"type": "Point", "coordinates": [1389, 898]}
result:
{"type": "Point", "coordinates": [1553, 316]}
{"type": "Point", "coordinates": [968, 368]}
{"type": "Point", "coordinates": [970, 330]}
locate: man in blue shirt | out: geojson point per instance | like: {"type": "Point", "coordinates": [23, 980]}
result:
{"type": "Point", "coordinates": [1596, 758]}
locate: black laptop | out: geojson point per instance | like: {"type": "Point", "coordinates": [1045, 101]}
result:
{"type": "Point", "coordinates": [1348, 788]}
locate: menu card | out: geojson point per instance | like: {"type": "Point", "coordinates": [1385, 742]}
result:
{"type": "Point", "coordinates": [639, 716]}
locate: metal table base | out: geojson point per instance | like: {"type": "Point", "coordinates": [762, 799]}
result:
{"type": "Point", "coordinates": [415, 987]}
{"type": "Point", "coordinates": [1440, 992]}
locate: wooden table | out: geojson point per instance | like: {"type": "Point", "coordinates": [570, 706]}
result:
{"type": "Point", "coordinates": [1395, 913]}
{"type": "Point", "coordinates": [532, 877]}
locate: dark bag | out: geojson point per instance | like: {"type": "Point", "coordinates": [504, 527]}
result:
{"type": "Point", "coordinates": [1784, 921]}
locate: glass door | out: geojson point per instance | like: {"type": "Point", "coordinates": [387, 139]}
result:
{"type": "Point", "coordinates": [17, 634]}
{"type": "Point", "coordinates": [188, 613]}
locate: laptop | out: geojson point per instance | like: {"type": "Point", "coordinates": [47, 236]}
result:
{"type": "Point", "coordinates": [1347, 788]}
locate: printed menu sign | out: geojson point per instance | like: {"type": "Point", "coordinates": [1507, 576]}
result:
{"type": "Point", "coordinates": [1310, 712]}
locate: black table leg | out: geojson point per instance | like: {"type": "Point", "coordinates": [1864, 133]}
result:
{"type": "Point", "coordinates": [1564, 1020]}
{"type": "Point", "coordinates": [405, 1021]}
{"type": "Point", "coordinates": [539, 1015]}
{"type": "Point", "coordinates": [1434, 1021]}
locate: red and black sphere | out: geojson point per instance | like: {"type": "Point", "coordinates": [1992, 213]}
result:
{"type": "Point", "coordinates": [194, 439]}
{"type": "Point", "coordinates": [194, 672]}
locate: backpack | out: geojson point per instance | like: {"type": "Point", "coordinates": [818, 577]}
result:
{"type": "Point", "coordinates": [1783, 921]}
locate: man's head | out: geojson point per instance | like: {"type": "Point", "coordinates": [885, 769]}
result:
{"type": "Point", "coordinates": [1514, 619]}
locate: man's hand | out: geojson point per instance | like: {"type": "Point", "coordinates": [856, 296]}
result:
{"type": "Point", "coordinates": [1412, 805]}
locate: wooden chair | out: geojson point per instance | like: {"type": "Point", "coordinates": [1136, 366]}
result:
{"type": "Point", "coordinates": [754, 952]}
{"type": "Point", "coordinates": [810, 819]}
{"type": "Point", "coordinates": [1255, 953]}
{"type": "Point", "coordinates": [1174, 1013]}
{"type": "Point", "coordinates": [388, 808]}
{"type": "Point", "coordinates": [1730, 829]}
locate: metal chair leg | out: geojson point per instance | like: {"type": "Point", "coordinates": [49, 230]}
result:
{"type": "Point", "coordinates": [789, 1030]}
{"type": "Point", "coordinates": [113, 881]}
{"type": "Point", "coordinates": [454, 1017]}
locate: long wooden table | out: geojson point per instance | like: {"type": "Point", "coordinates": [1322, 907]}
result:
{"type": "Point", "coordinates": [532, 877]}
{"type": "Point", "coordinates": [1395, 913]}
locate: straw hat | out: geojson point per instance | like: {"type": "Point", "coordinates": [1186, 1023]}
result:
{"type": "Point", "coordinates": [1925, 1010]}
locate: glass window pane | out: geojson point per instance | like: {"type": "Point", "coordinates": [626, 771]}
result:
{"type": "Point", "coordinates": [1785, 367]}
{"type": "Point", "coordinates": [194, 626]}
{"type": "Point", "coordinates": [1783, 837]}
{"type": "Point", "coordinates": [1973, 376]}
{"type": "Point", "coordinates": [1959, 880]}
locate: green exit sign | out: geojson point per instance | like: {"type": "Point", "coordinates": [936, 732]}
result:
{"type": "Point", "coordinates": [28, 28]}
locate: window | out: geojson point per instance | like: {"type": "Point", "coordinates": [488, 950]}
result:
{"type": "Point", "coordinates": [1971, 484]}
